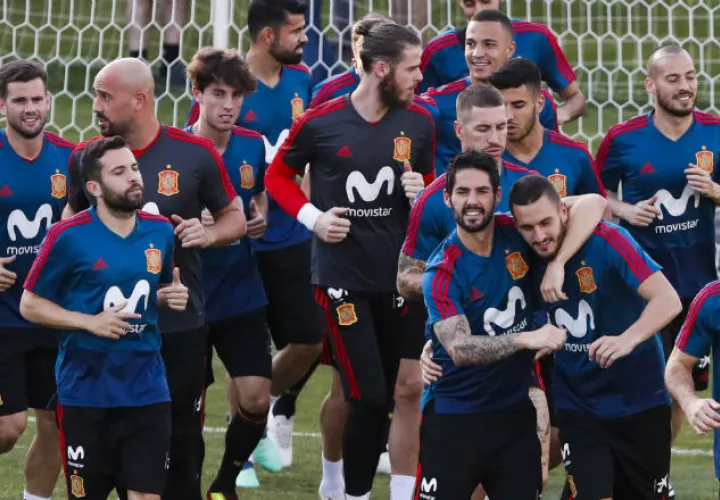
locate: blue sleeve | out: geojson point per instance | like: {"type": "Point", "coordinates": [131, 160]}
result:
{"type": "Point", "coordinates": [548, 113]}
{"type": "Point", "coordinates": [51, 267]}
{"type": "Point", "coordinates": [432, 77]}
{"type": "Point", "coordinates": [425, 230]}
{"type": "Point", "coordinates": [442, 292]}
{"type": "Point", "coordinates": [608, 163]}
{"type": "Point", "coordinates": [698, 332]}
{"type": "Point", "coordinates": [626, 257]}
{"type": "Point", "coordinates": [589, 181]}
{"type": "Point", "coordinates": [194, 113]}
{"type": "Point", "coordinates": [168, 265]}
{"type": "Point", "coordinates": [554, 65]}
{"type": "Point", "coordinates": [262, 167]}
{"type": "Point", "coordinates": [429, 104]}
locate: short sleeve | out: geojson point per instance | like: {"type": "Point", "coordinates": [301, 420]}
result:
{"type": "Point", "coordinates": [299, 148]}
{"type": "Point", "coordinates": [431, 75]}
{"type": "Point", "coordinates": [588, 181]}
{"type": "Point", "coordinates": [168, 265]}
{"type": "Point", "coordinates": [425, 231]}
{"type": "Point", "coordinates": [698, 332]}
{"type": "Point", "coordinates": [442, 290]}
{"type": "Point", "coordinates": [77, 199]}
{"type": "Point", "coordinates": [51, 267]}
{"type": "Point", "coordinates": [608, 163]}
{"type": "Point", "coordinates": [626, 257]}
{"type": "Point", "coordinates": [216, 189]}
{"type": "Point", "coordinates": [548, 113]}
{"type": "Point", "coordinates": [554, 65]}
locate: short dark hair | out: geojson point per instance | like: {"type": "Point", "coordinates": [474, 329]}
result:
{"type": "Point", "coordinates": [475, 160]}
{"type": "Point", "coordinates": [515, 73]}
{"type": "Point", "coordinates": [495, 16]}
{"type": "Point", "coordinates": [529, 189]}
{"type": "Point", "coordinates": [386, 42]}
{"type": "Point", "coordinates": [210, 65]}
{"type": "Point", "coordinates": [23, 71]}
{"type": "Point", "coordinates": [272, 13]}
{"type": "Point", "coordinates": [90, 161]}
{"type": "Point", "coordinates": [478, 96]}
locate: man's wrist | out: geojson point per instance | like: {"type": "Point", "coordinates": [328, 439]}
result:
{"type": "Point", "coordinates": [308, 215]}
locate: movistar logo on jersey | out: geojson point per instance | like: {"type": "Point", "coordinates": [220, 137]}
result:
{"type": "Point", "coordinates": [20, 227]}
{"type": "Point", "coordinates": [675, 207]}
{"type": "Point", "coordinates": [357, 187]}
{"type": "Point", "coordinates": [577, 327]}
{"type": "Point", "coordinates": [114, 296]}
{"type": "Point", "coordinates": [505, 319]}
{"type": "Point", "coordinates": [272, 149]}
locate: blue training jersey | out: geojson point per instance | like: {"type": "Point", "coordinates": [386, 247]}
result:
{"type": "Point", "coordinates": [682, 238]}
{"type": "Point", "coordinates": [231, 279]}
{"type": "Point", "coordinates": [606, 272]}
{"type": "Point", "coordinates": [32, 196]}
{"type": "Point", "coordinates": [448, 144]}
{"type": "Point", "coordinates": [566, 163]}
{"type": "Point", "coordinates": [700, 334]}
{"type": "Point", "coordinates": [443, 60]}
{"type": "Point", "coordinates": [90, 278]}
{"type": "Point", "coordinates": [431, 221]}
{"type": "Point", "coordinates": [496, 295]}
{"type": "Point", "coordinates": [271, 112]}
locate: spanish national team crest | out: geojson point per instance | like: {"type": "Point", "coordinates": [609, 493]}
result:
{"type": "Point", "coordinates": [559, 182]}
{"type": "Point", "coordinates": [571, 484]}
{"type": "Point", "coordinates": [403, 146]}
{"type": "Point", "coordinates": [586, 279]}
{"type": "Point", "coordinates": [58, 185]}
{"type": "Point", "coordinates": [516, 265]}
{"type": "Point", "coordinates": [168, 181]}
{"type": "Point", "coordinates": [154, 260]}
{"type": "Point", "coordinates": [346, 315]}
{"type": "Point", "coordinates": [298, 107]}
{"type": "Point", "coordinates": [704, 160]}
{"type": "Point", "coordinates": [247, 178]}
{"type": "Point", "coordinates": [77, 486]}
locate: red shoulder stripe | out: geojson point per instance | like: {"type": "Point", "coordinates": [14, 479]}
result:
{"type": "Point", "coordinates": [299, 67]}
{"type": "Point", "coordinates": [706, 118]}
{"type": "Point", "coordinates": [148, 216]}
{"type": "Point", "coordinates": [59, 141]}
{"type": "Point", "coordinates": [246, 132]}
{"type": "Point", "coordinates": [441, 283]}
{"type": "Point", "coordinates": [504, 220]}
{"type": "Point", "coordinates": [449, 88]}
{"type": "Point", "coordinates": [616, 239]}
{"type": "Point", "coordinates": [416, 214]}
{"type": "Point", "coordinates": [695, 308]}
{"type": "Point", "coordinates": [559, 138]}
{"type": "Point", "coordinates": [517, 168]}
{"type": "Point", "coordinates": [447, 40]}
{"type": "Point", "coordinates": [330, 88]}
{"type": "Point", "coordinates": [325, 108]}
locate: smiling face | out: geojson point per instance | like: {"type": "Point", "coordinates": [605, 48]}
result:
{"type": "Point", "coordinates": [542, 225]}
{"type": "Point", "coordinates": [26, 107]}
{"type": "Point", "coordinates": [472, 199]}
{"type": "Point", "coordinates": [487, 46]}
{"type": "Point", "coordinates": [673, 82]}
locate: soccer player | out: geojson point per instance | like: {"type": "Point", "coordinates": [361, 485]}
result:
{"type": "Point", "coordinates": [276, 29]}
{"type": "Point", "coordinates": [665, 160]}
{"type": "Point", "coordinates": [358, 210]}
{"type": "Point", "coordinates": [183, 173]}
{"type": "Point", "coordinates": [699, 334]}
{"type": "Point", "coordinates": [233, 288]}
{"type": "Point", "coordinates": [489, 45]}
{"type": "Point", "coordinates": [113, 397]}
{"type": "Point", "coordinates": [565, 162]}
{"type": "Point", "coordinates": [481, 301]}
{"type": "Point", "coordinates": [443, 60]}
{"type": "Point", "coordinates": [34, 168]}
{"type": "Point", "coordinates": [614, 425]}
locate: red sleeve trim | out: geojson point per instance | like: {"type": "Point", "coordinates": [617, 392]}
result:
{"type": "Point", "coordinates": [59, 141]}
{"type": "Point", "coordinates": [448, 88]}
{"type": "Point", "coordinates": [693, 312]}
{"type": "Point", "coordinates": [52, 236]}
{"type": "Point", "coordinates": [441, 283]}
{"type": "Point", "coordinates": [706, 118]}
{"type": "Point", "coordinates": [620, 243]}
{"type": "Point", "coordinates": [538, 374]}
{"type": "Point", "coordinates": [563, 64]}
{"type": "Point", "coordinates": [299, 67]}
{"type": "Point", "coordinates": [194, 114]}
{"type": "Point", "coordinates": [447, 40]}
{"type": "Point", "coordinates": [563, 140]}
{"type": "Point", "coordinates": [615, 131]}
{"type": "Point", "coordinates": [504, 220]}
{"type": "Point", "coordinates": [148, 216]}
{"type": "Point", "coordinates": [246, 132]}
{"type": "Point", "coordinates": [517, 168]}
{"type": "Point", "coordinates": [416, 214]}
{"type": "Point", "coordinates": [334, 85]}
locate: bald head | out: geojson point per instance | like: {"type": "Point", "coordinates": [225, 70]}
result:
{"type": "Point", "coordinates": [130, 73]}
{"type": "Point", "coordinates": [661, 57]}
{"type": "Point", "coordinates": [672, 81]}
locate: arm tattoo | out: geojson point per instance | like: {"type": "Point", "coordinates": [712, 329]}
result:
{"type": "Point", "coordinates": [409, 278]}
{"type": "Point", "coordinates": [537, 396]}
{"type": "Point", "coordinates": [465, 349]}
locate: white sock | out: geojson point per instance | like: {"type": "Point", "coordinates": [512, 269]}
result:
{"type": "Point", "coordinates": [401, 487]}
{"type": "Point", "coordinates": [333, 479]}
{"type": "Point", "coordinates": [273, 400]}
{"type": "Point", "coordinates": [366, 496]}
{"type": "Point", "coordinates": [28, 496]}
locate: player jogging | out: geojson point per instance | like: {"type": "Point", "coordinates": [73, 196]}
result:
{"type": "Point", "coordinates": [358, 210]}
{"type": "Point", "coordinates": [114, 402]}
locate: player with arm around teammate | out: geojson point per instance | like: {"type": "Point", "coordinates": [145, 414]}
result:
{"type": "Point", "coordinates": [113, 396]}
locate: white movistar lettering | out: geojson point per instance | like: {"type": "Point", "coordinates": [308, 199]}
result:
{"type": "Point", "coordinates": [17, 222]}
{"type": "Point", "coordinates": [272, 149]}
{"type": "Point", "coordinates": [356, 181]}
{"type": "Point", "coordinates": [675, 206]}
{"type": "Point", "coordinates": [578, 328]}
{"type": "Point", "coordinates": [678, 226]}
{"type": "Point", "coordinates": [369, 212]}
{"type": "Point", "coordinates": [505, 318]}
{"type": "Point", "coordinates": [114, 296]}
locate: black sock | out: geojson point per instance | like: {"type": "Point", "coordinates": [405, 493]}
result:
{"type": "Point", "coordinates": [241, 438]}
{"type": "Point", "coordinates": [170, 53]}
{"type": "Point", "coordinates": [136, 53]}
{"type": "Point", "coordinates": [285, 406]}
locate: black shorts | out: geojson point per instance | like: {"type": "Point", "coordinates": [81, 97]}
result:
{"type": "Point", "coordinates": [626, 458]}
{"type": "Point", "coordinates": [498, 449]}
{"type": "Point", "coordinates": [701, 370]}
{"type": "Point", "coordinates": [27, 369]}
{"type": "Point", "coordinates": [370, 333]}
{"type": "Point", "coordinates": [105, 448]}
{"type": "Point", "coordinates": [544, 379]}
{"type": "Point", "coordinates": [243, 344]}
{"type": "Point", "coordinates": [184, 354]}
{"type": "Point", "coordinates": [292, 315]}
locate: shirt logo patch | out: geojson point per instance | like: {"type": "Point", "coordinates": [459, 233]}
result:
{"type": "Point", "coordinates": [77, 486]}
{"type": "Point", "coordinates": [247, 177]}
{"type": "Point", "coordinates": [516, 265]}
{"type": "Point", "coordinates": [369, 192]}
{"type": "Point", "coordinates": [578, 327]}
{"type": "Point", "coordinates": [153, 256]}
{"type": "Point", "coordinates": [298, 107]}
{"type": "Point", "coordinates": [586, 279]}
{"type": "Point", "coordinates": [559, 182]}
{"type": "Point", "coordinates": [705, 160]}
{"type": "Point", "coordinates": [58, 185]}
{"type": "Point", "coordinates": [403, 146]}
{"type": "Point", "coordinates": [168, 182]}
{"type": "Point", "coordinates": [346, 315]}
